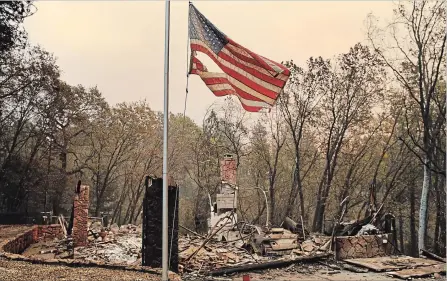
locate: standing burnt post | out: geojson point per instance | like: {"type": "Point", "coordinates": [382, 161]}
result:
{"type": "Point", "coordinates": [152, 224]}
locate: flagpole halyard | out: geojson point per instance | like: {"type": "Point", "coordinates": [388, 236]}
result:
{"type": "Point", "coordinates": [165, 266]}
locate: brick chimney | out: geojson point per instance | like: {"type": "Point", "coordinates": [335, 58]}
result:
{"type": "Point", "coordinates": [80, 216]}
{"type": "Point", "coordinates": [228, 169]}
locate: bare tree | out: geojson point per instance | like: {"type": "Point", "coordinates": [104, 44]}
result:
{"type": "Point", "coordinates": [117, 138]}
{"type": "Point", "coordinates": [415, 54]}
{"type": "Point", "coordinates": [354, 86]}
{"type": "Point", "coordinates": [69, 115]}
{"type": "Point", "coordinates": [229, 128]}
{"type": "Point", "coordinates": [298, 105]}
{"type": "Point", "coordinates": [267, 145]}
{"type": "Point", "coordinates": [26, 80]}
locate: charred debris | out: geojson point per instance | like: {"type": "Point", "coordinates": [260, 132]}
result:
{"type": "Point", "coordinates": [233, 246]}
{"type": "Point", "coordinates": [230, 246]}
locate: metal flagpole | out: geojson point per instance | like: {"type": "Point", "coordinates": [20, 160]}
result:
{"type": "Point", "coordinates": [165, 148]}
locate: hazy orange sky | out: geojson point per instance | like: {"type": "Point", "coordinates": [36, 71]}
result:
{"type": "Point", "coordinates": [119, 45]}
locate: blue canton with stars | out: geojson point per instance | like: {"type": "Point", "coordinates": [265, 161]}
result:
{"type": "Point", "coordinates": [202, 29]}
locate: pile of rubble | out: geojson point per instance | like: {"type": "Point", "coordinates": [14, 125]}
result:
{"type": "Point", "coordinates": [114, 245]}
{"type": "Point", "coordinates": [313, 244]}
{"type": "Point", "coordinates": [212, 255]}
{"type": "Point", "coordinates": [194, 257]}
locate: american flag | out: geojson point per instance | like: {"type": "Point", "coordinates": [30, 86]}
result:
{"type": "Point", "coordinates": [254, 79]}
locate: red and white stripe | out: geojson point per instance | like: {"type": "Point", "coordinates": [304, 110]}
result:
{"type": "Point", "coordinates": [255, 80]}
{"type": "Point", "coordinates": [221, 85]}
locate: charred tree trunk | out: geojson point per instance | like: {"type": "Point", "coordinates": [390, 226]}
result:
{"type": "Point", "coordinates": [140, 209]}
{"type": "Point", "coordinates": [120, 216]}
{"type": "Point", "coordinates": [442, 235]}
{"type": "Point", "coordinates": [57, 197]}
{"type": "Point", "coordinates": [293, 190]}
{"type": "Point", "coordinates": [413, 231]}
{"type": "Point", "coordinates": [401, 231]}
{"type": "Point", "coordinates": [132, 210]}
{"type": "Point", "coordinates": [318, 218]}
{"type": "Point", "coordinates": [136, 208]}
{"type": "Point", "coordinates": [436, 241]}
{"type": "Point", "coordinates": [331, 165]}
{"type": "Point", "coordinates": [126, 217]}
{"type": "Point", "coordinates": [118, 206]}
{"type": "Point", "coordinates": [301, 196]}
{"type": "Point", "coordinates": [272, 203]}
{"type": "Point", "coordinates": [439, 238]}
{"type": "Point", "coordinates": [297, 189]}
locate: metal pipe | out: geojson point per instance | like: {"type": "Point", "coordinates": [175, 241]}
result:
{"type": "Point", "coordinates": [165, 238]}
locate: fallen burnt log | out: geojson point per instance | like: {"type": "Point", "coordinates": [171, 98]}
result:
{"type": "Point", "coordinates": [266, 265]}
{"type": "Point", "coordinates": [432, 256]}
{"type": "Point", "coordinates": [294, 227]}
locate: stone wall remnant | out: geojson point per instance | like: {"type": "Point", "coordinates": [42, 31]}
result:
{"type": "Point", "coordinates": [363, 246]}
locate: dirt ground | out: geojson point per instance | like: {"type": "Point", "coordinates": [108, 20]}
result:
{"type": "Point", "coordinates": [25, 271]}
{"type": "Point", "coordinates": [318, 275]}
{"type": "Point", "coordinates": [322, 275]}
{"type": "Point", "coordinates": [307, 272]}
